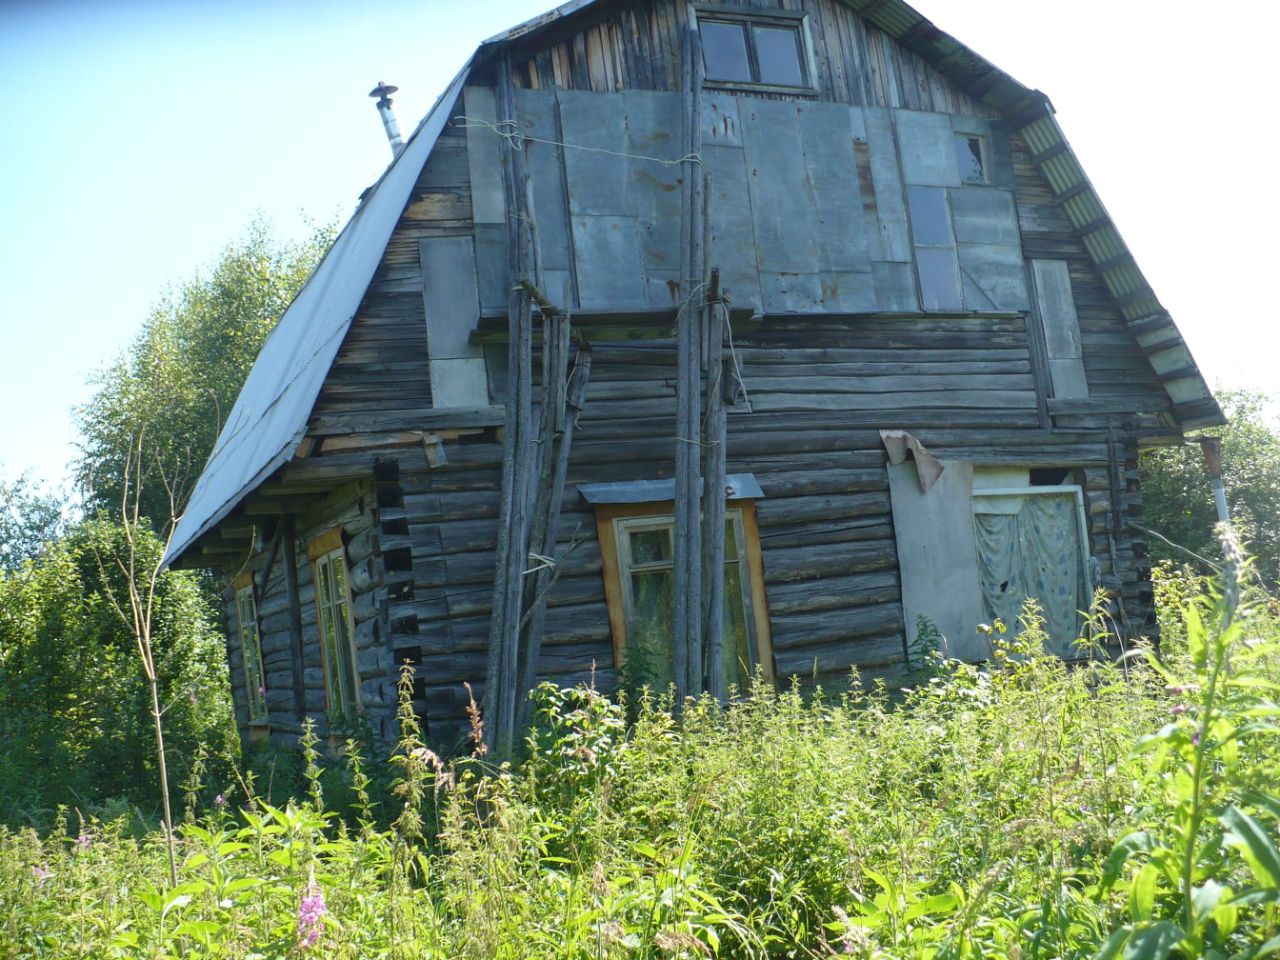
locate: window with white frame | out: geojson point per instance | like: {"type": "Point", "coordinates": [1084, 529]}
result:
{"type": "Point", "coordinates": [333, 617]}
{"type": "Point", "coordinates": [255, 684]}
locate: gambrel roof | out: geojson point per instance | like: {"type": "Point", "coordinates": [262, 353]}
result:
{"type": "Point", "coordinates": [269, 420]}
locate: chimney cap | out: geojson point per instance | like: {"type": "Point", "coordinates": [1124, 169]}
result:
{"type": "Point", "coordinates": [383, 90]}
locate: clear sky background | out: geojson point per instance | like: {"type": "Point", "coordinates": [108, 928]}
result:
{"type": "Point", "coordinates": [139, 137]}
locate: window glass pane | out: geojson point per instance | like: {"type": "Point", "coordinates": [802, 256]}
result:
{"type": "Point", "coordinates": [778, 53]}
{"type": "Point", "coordinates": [730, 539]}
{"type": "Point", "coordinates": [969, 159]}
{"type": "Point", "coordinates": [939, 278]}
{"type": "Point", "coordinates": [322, 581]}
{"type": "Point", "coordinates": [737, 657]}
{"type": "Point", "coordinates": [339, 578]}
{"type": "Point", "coordinates": [650, 546]}
{"type": "Point", "coordinates": [724, 50]}
{"type": "Point", "coordinates": [930, 222]}
{"type": "Point", "coordinates": [649, 653]}
{"type": "Point", "coordinates": [330, 654]}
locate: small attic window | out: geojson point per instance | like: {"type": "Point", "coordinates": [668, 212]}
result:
{"type": "Point", "coordinates": [765, 51]}
{"type": "Point", "coordinates": [971, 158]}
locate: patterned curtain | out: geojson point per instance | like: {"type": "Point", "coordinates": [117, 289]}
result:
{"type": "Point", "coordinates": [1029, 546]}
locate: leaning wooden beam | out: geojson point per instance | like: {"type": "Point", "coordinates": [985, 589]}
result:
{"type": "Point", "coordinates": [571, 401]}
{"type": "Point", "coordinates": [714, 436]}
{"type": "Point", "coordinates": [520, 455]}
{"type": "Point", "coordinates": [554, 347]}
{"type": "Point", "coordinates": [265, 580]}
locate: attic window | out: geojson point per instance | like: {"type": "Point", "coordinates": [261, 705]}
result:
{"type": "Point", "coordinates": [971, 158]}
{"type": "Point", "coordinates": [759, 51]}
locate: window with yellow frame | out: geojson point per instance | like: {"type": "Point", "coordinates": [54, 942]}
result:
{"type": "Point", "coordinates": [637, 546]}
{"type": "Point", "coordinates": [333, 618]}
{"type": "Point", "coordinates": [255, 683]}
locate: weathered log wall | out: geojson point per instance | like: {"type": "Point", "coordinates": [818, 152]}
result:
{"type": "Point", "coordinates": [353, 509]}
{"type": "Point", "coordinates": [826, 531]}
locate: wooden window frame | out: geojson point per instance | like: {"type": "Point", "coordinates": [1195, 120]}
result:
{"type": "Point", "coordinates": [324, 550]}
{"type": "Point", "coordinates": [793, 19]}
{"type": "Point", "coordinates": [611, 517]}
{"type": "Point", "coordinates": [243, 591]}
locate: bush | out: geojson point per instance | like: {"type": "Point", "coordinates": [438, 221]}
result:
{"type": "Point", "coordinates": [74, 707]}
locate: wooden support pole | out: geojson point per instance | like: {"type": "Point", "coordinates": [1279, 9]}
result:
{"type": "Point", "coordinates": [518, 460]}
{"type": "Point", "coordinates": [687, 574]}
{"type": "Point", "coordinates": [714, 436]}
{"type": "Point", "coordinates": [289, 537]}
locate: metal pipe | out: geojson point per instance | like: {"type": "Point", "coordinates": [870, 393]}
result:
{"type": "Point", "coordinates": [383, 93]}
{"type": "Point", "coordinates": [1211, 447]}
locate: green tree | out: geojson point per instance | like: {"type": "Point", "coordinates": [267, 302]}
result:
{"type": "Point", "coordinates": [75, 708]}
{"type": "Point", "coordinates": [1178, 499]}
{"type": "Point", "coordinates": [177, 382]}
{"type": "Point", "coordinates": [30, 517]}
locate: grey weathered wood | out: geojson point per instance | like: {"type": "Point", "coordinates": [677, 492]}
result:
{"type": "Point", "coordinates": [1056, 310]}
{"type": "Point", "coordinates": [714, 437]}
{"type": "Point", "coordinates": [518, 456]}
{"type": "Point", "coordinates": [296, 652]}
{"type": "Point", "coordinates": [567, 409]}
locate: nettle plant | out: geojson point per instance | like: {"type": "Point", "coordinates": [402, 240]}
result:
{"type": "Point", "coordinates": [1201, 874]}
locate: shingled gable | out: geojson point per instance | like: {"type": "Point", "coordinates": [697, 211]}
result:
{"type": "Point", "coordinates": [270, 417]}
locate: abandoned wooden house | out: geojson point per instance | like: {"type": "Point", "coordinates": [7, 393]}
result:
{"type": "Point", "coordinates": [683, 341]}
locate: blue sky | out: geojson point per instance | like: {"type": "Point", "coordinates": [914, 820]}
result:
{"type": "Point", "coordinates": [137, 138]}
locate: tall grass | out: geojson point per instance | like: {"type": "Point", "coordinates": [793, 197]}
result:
{"type": "Point", "coordinates": [1020, 809]}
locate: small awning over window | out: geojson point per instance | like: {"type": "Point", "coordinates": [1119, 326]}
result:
{"type": "Point", "coordinates": [739, 486]}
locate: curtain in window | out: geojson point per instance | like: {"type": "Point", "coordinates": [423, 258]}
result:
{"type": "Point", "coordinates": [1029, 546]}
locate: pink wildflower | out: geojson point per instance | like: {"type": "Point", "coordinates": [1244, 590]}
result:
{"type": "Point", "coordinates": [219, 801]}
{"type": "Point", "coordinates": [311, 911]}
{"type": "Point", "coordinates": [84, 841]}
{"type": "Point", "coordinates": [1179, 709]}
{"type": "Point", "coordinates": [41, 874]}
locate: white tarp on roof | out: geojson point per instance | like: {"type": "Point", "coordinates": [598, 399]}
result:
{"type": "Point", "coordinates": [270, 417]}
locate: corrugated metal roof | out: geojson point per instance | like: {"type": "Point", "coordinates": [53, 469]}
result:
{"type": "Point", "coordinates": [270, 416]}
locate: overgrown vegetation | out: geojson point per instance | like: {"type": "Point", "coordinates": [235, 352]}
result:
{"type": "Point", "coordinates": [1178, 502]}
{"type": "Point", "coordinates": [1024, 809]}
{"type": "Point", "coordinates": [74, 704]}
